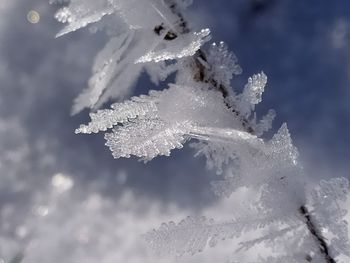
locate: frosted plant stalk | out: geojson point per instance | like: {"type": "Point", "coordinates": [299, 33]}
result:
{"type": "Point", "coordinates": [153, 35]}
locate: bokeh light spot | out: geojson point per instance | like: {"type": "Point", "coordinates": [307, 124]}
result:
{"type": "Point", "coordinates": [33, 17]}
{"type": "Point", "coordinates": [62, 182]}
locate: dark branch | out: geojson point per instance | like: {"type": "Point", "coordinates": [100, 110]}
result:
{"type": "Point", "coordinates": [316, 234]}
{"type": "Point", "coordinates": [169, 35]}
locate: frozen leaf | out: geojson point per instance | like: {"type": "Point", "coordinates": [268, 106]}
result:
{"type": "Point", "coordinates": [108, 64]}
{"type": "Point", "coordinates": [184, 46]}
{"type": "Point", "coordinates": [146, 139]}
{"type": "Point", "coordinates": [166, 118]}
{"type": "Point", "coordinates": [251, 94]}
{"type": "Point", "coordinates": [118, 65]}
{"type": "Point", "coordinates": [281, 146]}
{"type": "Point", "coordinates": [120, 113]}
{"type": "Point", "coordinates": [267, 238]}
{"type": "Point", "coordinates": [193, 234]}
{"type": "Point", "coordinates": [265, 124]}
{"type": "Point", "coordinates": [78, 16]}
{"type": "Point", "coordinates": [154, 36]}
{"type": "Point", "coordinates": [221, 64]}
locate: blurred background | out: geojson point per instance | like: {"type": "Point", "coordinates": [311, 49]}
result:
{"type": "Point", "coordinates": [63, 198]}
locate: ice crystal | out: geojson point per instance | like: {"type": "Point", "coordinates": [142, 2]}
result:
{"type": "Point", "coordinates": [271, 169]}
{"type": "Point", "coordinates": [120, 113]}
{"type": "Point", "coordinates": [138, 40]}
{"type": "Point", "coordinates": [286, 233]}
{"type": "Point", "coordinates": [221, 64]}
{"type": "Point", "coordinates": [299, 222]}
{"type": "Point", "coordinates": [252, 94]}
{"type": "Point", "coordinates": [326, 199]}
{"type": "Point", "coordinates": [184, 46]}
{"type": "Point", "coordinates": [250, 161]}
{"type": "Point", "coordinates": [77, 17]}
{"type": "Point", "coordinates": [155, 124]}
{"type": "Point", "coordinates": [108, 63]}
{"type": "Point", "coordinates": [265, 124]}
{"type": "Point", "coordinates": [193, 234]}
{"type": "Point", "coordinates": [146, 139]}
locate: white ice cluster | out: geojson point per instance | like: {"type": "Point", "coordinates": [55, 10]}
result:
{"type": "Point", "coordinates": [301, 223]}
{"type": "Point", "coordinates": [155, 124]}
{"type": "Point", "coordinates": [148, 34]}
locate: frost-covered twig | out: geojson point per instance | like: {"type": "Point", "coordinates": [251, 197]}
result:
{"type": "Point", "coordinates": [200, 76]}
{"type": "Point", "coordinates": [315, 232]}
{"type": "Point", "coordinates": [154, 36]}
{"type": "Point", "coordinates": [199, 61]}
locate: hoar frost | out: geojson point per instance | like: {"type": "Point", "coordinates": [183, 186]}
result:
{"type": "Point", "coordinates": [300, 221]}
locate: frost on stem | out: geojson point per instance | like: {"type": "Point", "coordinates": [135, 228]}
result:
{"type": "Point", "coordinates": [134, 44]}
{"type": "Point", "coordinates": [325, 200]}
{"type": "Point", "coordinates": [192, 234]}
{"type": "Point", "coordinates": [301, 222]}
{"type": "Point", "coordinates": [220, 65]}
{"type": "Point", "coordinates": [314, 234]}
{"type": "Point", "coordinates": [182, 46]}
{"type": "Point", "coordinates": [287, 233]}
{"type": "Point", "coordinates": [252, 93]}
{"type": "Point", "coordinates": [78, 17]}
{"type": "Point", "coordinates": [148, 126]}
